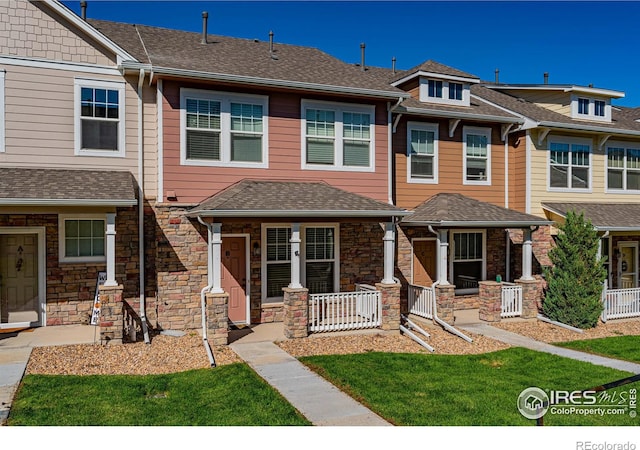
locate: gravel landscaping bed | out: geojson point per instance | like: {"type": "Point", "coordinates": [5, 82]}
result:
{"type": "Point", "coordinates": [549, 333]}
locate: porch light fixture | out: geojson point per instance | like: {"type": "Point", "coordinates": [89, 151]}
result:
{"type": "Point", "coordinates": [256, 249]}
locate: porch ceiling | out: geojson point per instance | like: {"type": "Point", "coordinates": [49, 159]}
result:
{"type": "Point", "coordinates": [253, 198]}
{"type": "Point", "coordinates": [603, 216]}
{"type": "Point", "coordinates": [41, 187]}
{"type": "Point", "coordinates": [456, 210]}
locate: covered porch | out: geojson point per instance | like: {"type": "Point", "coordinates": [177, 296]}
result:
{"type": "Point", "coordinates": [312, 256]}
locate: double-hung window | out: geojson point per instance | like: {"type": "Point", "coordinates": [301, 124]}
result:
{"type": "Point", "coordinates": [623, 168]}
{"type": "Point", "coordinates": [277, 261]}
{"type": "Point", "coordinates": [569, 165]}
{"type": "Point", "coordinates": [477, 155]}
{"type": "Point", "coordinates": [599, 108]}
{"type": "Point", "coordinates": [82, 238]}
{"type": "Point", "coordinates": [337, 136]}
{"type": "Point", "coordinates": [468, 265]}
{"type": "Point", "coordinates": [455, 91]}
{"type": "Point", "coordinates": [422, 152]}
{"type": "Point", "coordinates": [223, 129]}
{"type": "Point", "coordinates": [99, 118]}
{"type": "Point", "coordinates": [583, 106]}
{"type": "Point", "coordinates": [320, 257]}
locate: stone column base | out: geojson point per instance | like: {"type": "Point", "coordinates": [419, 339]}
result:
{"type": "Point", "coordinates": [445, 296]}
{"type": "Point", "coordinates": [296, 312]}
{"type": "Point", "coordinates": [111, 314]}
{"type": "Point", "coordinates": [390, 299]}
{"type": "Point", "coordinates": [490, 301]}
{"type": "Point", "coordinates": [217, 318]}
{"type": "Point", "coordinates": [531, 295]}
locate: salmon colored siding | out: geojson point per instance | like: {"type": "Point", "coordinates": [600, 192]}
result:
{"type": "Point", "coordinates": [193, 184]}
{"type": "Point", "coordinates": [450, 167]}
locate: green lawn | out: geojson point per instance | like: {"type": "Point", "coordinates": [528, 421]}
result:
{"type": "Point", "coordinates": [226, 395]}
{"type": "Point", "coordinates": [414, 389]}
{"type": "Point", "coordinates": [620, 347]}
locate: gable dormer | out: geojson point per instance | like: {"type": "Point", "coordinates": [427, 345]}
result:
{"type": "Point", "coordinates": [435, 83]}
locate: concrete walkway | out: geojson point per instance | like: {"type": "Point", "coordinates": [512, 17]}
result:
{"type": "Point", "coordinates": [526, 342]}
{"type": "Point", "coordinates": [318, 400]}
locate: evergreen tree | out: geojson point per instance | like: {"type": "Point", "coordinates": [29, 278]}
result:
{"type": "Point", "coordinates": [574, 282]}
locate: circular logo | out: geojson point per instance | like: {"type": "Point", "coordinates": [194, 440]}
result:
{"type": "Point", "coordinates": [533, 403]}
{"type": "Point", "coordinates": [632, 413]}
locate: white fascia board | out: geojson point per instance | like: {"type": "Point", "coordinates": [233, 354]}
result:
{"type": "Point", "coordinates": [88, 29]}
{"type": "Point", "coordinates": [605, 228]}
{"type": "Point", "coordinates": [583, 127]}
{"type": "Point", "coordinates": [459, 115]}
{"type": "Point", "coordinates": [556, 87]}
{"type": "Point", "coordinates": [441, 76]}
{"type": "Point", "coordinates": [595, 91]}
{"type": "Point", "coordinates": [296, 213]}
{"type": "Point", "coordinates": [41, 63]}
{"type": "Point", "coordinates": [64, 202]}
{"type": "Point", "coordinates": [478, 224]}
{"type": "Point", "coordinates": [194, 74]}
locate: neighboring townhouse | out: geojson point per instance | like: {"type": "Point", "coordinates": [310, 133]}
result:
{"type": "Point", "coordinates": [582, 154]}
{"type": "Point", "coordinates": [71, 153]}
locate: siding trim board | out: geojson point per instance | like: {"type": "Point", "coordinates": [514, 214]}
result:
{"type": "Point", "coordinates": [2, 126]}
{"type": "Point", "coordinates": [59, 65]}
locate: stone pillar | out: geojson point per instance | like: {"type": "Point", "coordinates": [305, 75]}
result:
{"type": "Point", "coordinates": [111, 314]}
{"type": "Point", "coordinates": [490, 301]}
{"type": "Point", "coordinates": [390, 299]}
{"type": "Point", "coordinates": [110, 247]}
{"type": "Point", "coordinates": [217, 317]}
{"type": "Point", "coordinates": [527, 255]}
{"type": "Point", "coordinates": [445, 296]}
{"type": "Point", "coordinates": [296, 312]}
{"type": "Point", "coordinates": [531, 295]}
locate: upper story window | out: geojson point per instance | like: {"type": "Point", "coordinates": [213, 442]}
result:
{"type": "Point", "coordinates": [446, 92]}
{"type": "Point", "coordinates": [337, 136]}
{"type": "Point", "coordinates": [599, 108]}
{"type": "Point", "coordinates": [569, 164]}
{"type": "Point", "coordinates": [422, 152]}
{"type": "Point", "coordinates": [591, 108]}
{"type": "Point", "coordinates": [476, 147]}
{"type": "Point", "coordinates": [99, 118]}
{"type": "Point", "coordinates": [223, 129]}
{"type": "Point", "coordinates": [623, 168]}
{"type": "Point", "coordinates": [435, 88]}
{"type": "Point", "coordinates": [583, 106]}
{"type": "Point", "coordinates": [455, 91]}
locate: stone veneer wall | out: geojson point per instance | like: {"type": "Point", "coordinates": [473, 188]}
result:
{"type": "Point", "coordinates": [71, 286]}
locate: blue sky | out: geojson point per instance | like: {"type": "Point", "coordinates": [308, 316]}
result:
{"type": "Point", "coordinates": [576, 42]}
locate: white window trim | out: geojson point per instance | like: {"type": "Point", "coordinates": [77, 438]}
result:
{"type": "Point", "coordinates": [477, 131]}
{"type": "Point", "coordinates": [569, 140]}
{"type": "Point", "coordinates": [626, 146]}
{"type": "Point", "coordinates": [339, 109]}
{"type": "Point", "coordinates": [452, 258]}
{"type": "Point", "coordinates": [444, 100]}
{"type": "Point", "coordinates": [423, 127]}
{"type": "Point", "coordinates": [61, 238]}
{"type": "Point", "coordinates": [336, 253]}
{"type": "Point", "coordinates": [225, 99]}
{"type": "Point", "coordinates": [592, 108]}
{"type": "Point", "coordinates": [2, 114]}
{"type": "Point", "coordinates": [79, 83]}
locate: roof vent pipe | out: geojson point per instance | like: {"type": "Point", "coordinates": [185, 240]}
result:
{"type": "Point", "coordinates": [497, 76]}
{"type": "Point", "coordinates": [362, 57]}
{"type": "Point", "coordinates": [546, 78]}
{"type": "Point", "coordinates": [205, 17]}
{"type": "Point", "coordinates": [393, 65]}
{"type": "Point", "coordinates": [83, 10]}
{"type": "Point", "coordinates": [271, 41]}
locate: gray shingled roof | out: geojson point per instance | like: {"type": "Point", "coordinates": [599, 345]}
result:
{"type": "Point", "coordinates": [604, 216]}
{"type": "Point", "coordinates": [458, 210]}
{"type": "Point", "coordinates": [182, 50]}
{"type": "Point", "coordinates": [620, 120]}
{"type": "Point", "coordinates": [476, 108]}
{"type": "Point", "coordinates": [253, 198]}
{"type": "Point", "coordinates": [66, 187]}
{"type": "Point", "coordinates": [434, 67]}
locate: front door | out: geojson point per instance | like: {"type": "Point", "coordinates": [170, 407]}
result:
{"type": "Point", "coordinates": [628, 265]}
{"type": "Point", "coordinates": [424, 262]}
{"type": "Point", "coordinates": [234, 277]}
{"type": "Point", "coordinates": [19, 296]}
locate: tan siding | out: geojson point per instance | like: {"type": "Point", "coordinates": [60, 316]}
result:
{"type": "Point", "coordinates": [450, 173]}
{"type": "Point", "coordinates": [40, 130]}
{"type": "Point", "coordinates": [517, 172]}
{"type": "Point", "coordinates": [29, 31]}
{"type": "Point", "coordinates": [195, 183]}
{"type": "Point", "coordinates": [559, 102]}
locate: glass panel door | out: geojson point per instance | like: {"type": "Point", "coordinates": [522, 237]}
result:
{"type": "Point", "coordinates": [627, 265]}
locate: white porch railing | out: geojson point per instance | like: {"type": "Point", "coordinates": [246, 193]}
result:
{"type": "Point", "coordinates": [511, 300]}
{"type": "Point", "coordinates": [620, 303]}
{"type": "Point", "coordinates": [345, 310]}
{"type": "Point", "coordinates": [421, 301]}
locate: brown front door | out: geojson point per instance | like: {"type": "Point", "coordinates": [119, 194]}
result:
{"type": "Point", "coordinates": [19, 298]}
{"type": "Point", "coordinates": [424, 262]}
{"type": "Point", "coordinates": [234, 277]}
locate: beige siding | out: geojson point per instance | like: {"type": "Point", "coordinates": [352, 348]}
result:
{"type": "Point", "coordinates": [39, 121]}
{"type": "Point", "coordinates": [539, 174]}
{"type": "Point", "coordinates": [559, 102]}
{"type": "Point", "coordinates": [29, 31]}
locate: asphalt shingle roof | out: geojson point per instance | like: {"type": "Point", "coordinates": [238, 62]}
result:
{"type": "Point", "coordinates": [449, 209]}
{"type": "Point", "coordinates": [264, 198]}
{"type": "Point", "coordinates": [434, 67]}
{"type": "Point", "coordinates": [51, 185]}
{"type": "Point", "coordinates": [602, 215]}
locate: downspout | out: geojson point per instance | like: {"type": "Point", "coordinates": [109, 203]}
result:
{"type": "Point", "coordinates": [203, 302]}
{"type": "Point", "coordinates": [390, 165]}
{"type": "Point", "coordinates": [141, 259]}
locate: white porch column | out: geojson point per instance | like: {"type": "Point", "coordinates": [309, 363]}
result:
{"type": "Point", "coordinates": [111, 250]}
{"type": "Point", "coordinates": [527, 255]}
{"type": "Point", "coordinates": [389, 248]}
{"type": "Point", "coordinates": [215, 258]}
{"type": "Point", "coordinates": [443, 257]}
{"type": "Point", "coordinates": [295, 256]}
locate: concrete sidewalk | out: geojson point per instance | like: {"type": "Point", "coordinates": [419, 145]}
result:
{"type": "Point", "coordinates": [526, 342]}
